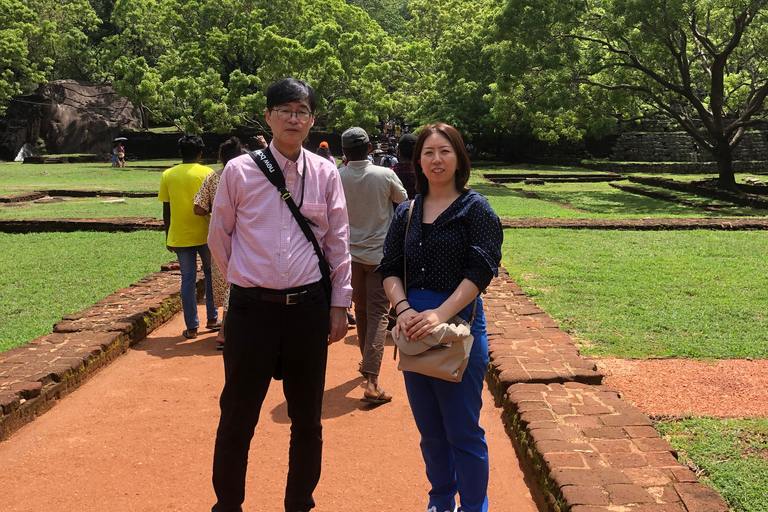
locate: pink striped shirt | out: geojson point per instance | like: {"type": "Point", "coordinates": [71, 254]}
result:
{"type": "Point", "coordinates": [255, 239]}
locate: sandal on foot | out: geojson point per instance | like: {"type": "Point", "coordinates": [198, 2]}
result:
{"type": "Point", "coordinates": [213, 325]}
{"type": "Point", "coordinates": [187, 333]}
{"type": "Point", "coordinates": [382, 398]}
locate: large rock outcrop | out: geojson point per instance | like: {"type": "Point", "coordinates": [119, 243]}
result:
{"type": "Point", "coordinates": [69, 116]}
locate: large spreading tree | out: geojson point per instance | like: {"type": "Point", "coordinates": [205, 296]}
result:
{"type": "Point", "coordinates": [204, 65]}
{"type": "Point", "coordinates": [701, 63]}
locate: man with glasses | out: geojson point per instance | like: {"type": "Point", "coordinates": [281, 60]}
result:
{"type": "Point", "coordinates": [280, 318]}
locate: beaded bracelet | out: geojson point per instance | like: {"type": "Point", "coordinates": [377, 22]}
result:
{"type": "Point", "coordinates": [403, 311]}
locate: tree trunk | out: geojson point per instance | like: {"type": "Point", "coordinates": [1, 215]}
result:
{"type": "Point", "coordinates": [726, 180]}
{"type": "Point", "coordinates": [144, 117]}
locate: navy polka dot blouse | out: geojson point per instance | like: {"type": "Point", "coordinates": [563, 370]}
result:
{"type": "Point", "coordinates": [463, 242]}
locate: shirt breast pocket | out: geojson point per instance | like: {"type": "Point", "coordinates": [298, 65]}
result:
{"type": "Point", "coordinates": [317, 217]}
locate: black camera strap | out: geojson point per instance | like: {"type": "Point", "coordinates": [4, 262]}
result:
{"type": "Point", "coordinates": [265, 161]}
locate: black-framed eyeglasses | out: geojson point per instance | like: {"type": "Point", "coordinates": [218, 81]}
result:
{"type": "Point", "coordinates": [284, 115]}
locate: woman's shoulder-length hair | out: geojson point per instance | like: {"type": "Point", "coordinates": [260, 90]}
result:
{"type": "Point", "coordinates": [461, 177]}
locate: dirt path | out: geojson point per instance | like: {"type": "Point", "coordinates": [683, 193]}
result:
{"type": "Point", "coordinates": [683, 387]}
{"type": "Point", "coordinates": [139, 437]}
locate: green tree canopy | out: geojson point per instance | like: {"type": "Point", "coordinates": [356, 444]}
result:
{"type": "Point", "coordinates": [701, 63]}
{"type": "Point", "coordinates": [20, 33]}
{"type": "Point", "coordinates": [201, 65]}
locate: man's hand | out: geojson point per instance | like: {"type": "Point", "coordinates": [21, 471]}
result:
{"type": "Point", "coordinates": [338, 324]}
{"type": "Point", "coordinates": [170, 248]}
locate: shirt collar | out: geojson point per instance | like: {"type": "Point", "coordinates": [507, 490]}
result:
{"type": "Point", "coordinates": [359, 163]}
{"type": "Point", "coordinates": [283, 162]}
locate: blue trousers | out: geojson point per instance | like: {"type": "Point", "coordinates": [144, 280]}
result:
{"type": "Point", "coordinates": [447, 415]}
{"type": "Point", "coordinates": [187, 257]}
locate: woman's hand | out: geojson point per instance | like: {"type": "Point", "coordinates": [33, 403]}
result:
{"type": "Point", "coordinates": [401, 325]}
{"type": "Point", "coordinates": [421, 324]}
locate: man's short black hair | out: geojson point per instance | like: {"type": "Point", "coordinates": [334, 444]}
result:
{"type": "Point", "coordinates": [406, 145]}
{"type": "Point", "coordinates": [288, 90]}
{"type": "Point", "coordinates": [190, 146]}
{"type": "Point", "coordinates": [229, 149]}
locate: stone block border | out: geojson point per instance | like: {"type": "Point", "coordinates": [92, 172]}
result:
{"type": "Point", "coordinates": [34, 376]}
{"type": "Point", "coordinates": [587, 449]}
{"type": "Point", "coordinates": [652, 224]}
{"type": "Point", "coordinates": [122, 224]}
{"type": "Point", "coordinates": [39, 194]}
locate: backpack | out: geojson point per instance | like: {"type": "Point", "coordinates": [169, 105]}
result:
{"type": "Point", "coordinates": [386, 161]}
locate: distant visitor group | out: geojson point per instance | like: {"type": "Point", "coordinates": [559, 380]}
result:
{"type": "Point", "coordinates": [289, 244]}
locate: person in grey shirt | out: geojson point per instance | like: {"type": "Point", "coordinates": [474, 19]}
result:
{"type": "Point", "coordinates": [370, 191]}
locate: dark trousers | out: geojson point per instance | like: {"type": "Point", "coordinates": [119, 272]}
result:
{"type": "Point", "coordinates": [371, 312]}
{"type": "Point", "coordinates": [259, 334]}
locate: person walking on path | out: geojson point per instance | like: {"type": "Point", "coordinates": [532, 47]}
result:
{"type": "Point", "coordinates": [453, 250]}
{"type": "Point", "coordinates": [186, 233]}
{"type": "Point", "coordinates": [121, 153]}
{"type": "Point", "coordinates": [324, 151]}
{"type": "Point", "coordinates": [389, 160]}
{"type": "Point", "coordinates": [228, 150]}
{"type": "Point", "coordinates": [280, 317]}
{"type": "Point", "coordinates": [116, 155]}
{"type": "Point", "coordinates": [370, 191]}
{"type": "Point", "coordinates": [404, 167]}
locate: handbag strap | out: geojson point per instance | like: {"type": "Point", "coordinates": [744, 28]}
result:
{"type": "Point", "coordinates": [265, 161]}
{"type": "Point", "coordinates": [405, 245]}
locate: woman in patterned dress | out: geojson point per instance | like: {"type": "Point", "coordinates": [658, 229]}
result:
{"type": "Point", "coordinates": [203, 206]}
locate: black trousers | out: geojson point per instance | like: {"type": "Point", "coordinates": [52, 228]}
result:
{"type": "Point", "coordinates": [259, 335]}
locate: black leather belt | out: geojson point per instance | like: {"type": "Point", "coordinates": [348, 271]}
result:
{"type": "Point", "coordinates": [289, 296]}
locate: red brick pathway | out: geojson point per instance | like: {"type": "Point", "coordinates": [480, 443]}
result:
{"type": "Point", "coordinates": [35, 375]}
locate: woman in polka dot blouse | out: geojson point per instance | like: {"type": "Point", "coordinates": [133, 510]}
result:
{"type": "Point", "coordinates": [452, 252]}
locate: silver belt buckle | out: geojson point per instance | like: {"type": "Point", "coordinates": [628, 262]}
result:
{"type": "Point", "coordinates": [292, 298]}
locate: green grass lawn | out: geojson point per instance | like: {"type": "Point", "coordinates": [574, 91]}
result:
{"type": "Point", "coordinates": [44, 276]}
{"type": "Point", "coordinates": [17, 177]}
{"type": "Point", "coordinates": [591, 200]}
{"type": "Point", "coordinates": [729, 455]}
{"type": "Point", "coordinates": [84, 207]}
{"type": "Point", "coordinates": [649, 293]}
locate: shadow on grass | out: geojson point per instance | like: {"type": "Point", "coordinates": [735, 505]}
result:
{"type": "Point", "coordinates": [623, 203]}
{"type": "Point", "coordinates": [614, 203]}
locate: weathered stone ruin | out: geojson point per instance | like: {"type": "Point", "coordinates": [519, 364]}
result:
{"type": "Point", "coordinates": [69, 116]}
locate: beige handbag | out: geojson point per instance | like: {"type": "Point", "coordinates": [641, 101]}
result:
{"type": "Point", "coordinates": [443, 353]}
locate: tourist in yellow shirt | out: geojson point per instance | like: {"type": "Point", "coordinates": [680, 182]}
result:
{"type": "Point", "coordinates": [186, 233]}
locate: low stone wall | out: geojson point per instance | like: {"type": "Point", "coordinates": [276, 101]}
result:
{"type": "Point", "coordinates": [38, 194]}
{"type": "Point", "coordinates": [622, 167]}
{"type": "Point", "coordinates": [56, 159]}
{"type": "Point", "coordinates": [121, 224]}
{"type": "Point", "coordinates": [649, 224]}
{"type": "Point", "coordinates": [676, 147]}
{"type": "Point", "coordinates": [34, 376]}
{"type": "Point", "coordinates": [24, 197]}
{"type": "Point", "coordinates": [587, 450]}
{"type": "Point", "coordinates": [702, 189]}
